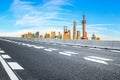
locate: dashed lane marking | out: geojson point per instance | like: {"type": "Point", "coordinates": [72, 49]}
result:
{"type": "Point", "coordinates": [39, 47]}
{"type": "Point", "coordinates": [2, 51]}
{"type": "Point", "coordinates": [53, 49]}
{"type": "Point", "coordinates": [63, 53]}
{"type": "Point", "coordinates": [99, 58]}
{"type": "Point", "coordinates": [31, 45]}
{"type": "Point", "coordinates": [9, 71]}
{"type": "Point", "coordinates": [15, 66]}
{"type": "Point", "coordinates": [48, 50]}
{"type": "Point", "coordinates": [24, 44]}
{"type": "Point", "coordinates": [95, 60]}
{"type": "Point", "coordinates": [70, 52]}
{"type": "Point", "coordinates": [6, 56]}
{"type": "Point", "coordinates": [115, 51]}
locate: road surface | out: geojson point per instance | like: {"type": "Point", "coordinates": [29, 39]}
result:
{"type": "Point", "coordinates": [38, 60]}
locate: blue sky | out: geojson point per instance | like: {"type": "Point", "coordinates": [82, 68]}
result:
{"type": "Point", "coordinates": [21, 16]}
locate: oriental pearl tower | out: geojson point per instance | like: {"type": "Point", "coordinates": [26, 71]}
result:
{"type": "Point", "coordinates": [84, 37]}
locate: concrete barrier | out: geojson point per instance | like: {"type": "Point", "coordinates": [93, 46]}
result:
{"type": "Point", "coordinates": [87, 43]}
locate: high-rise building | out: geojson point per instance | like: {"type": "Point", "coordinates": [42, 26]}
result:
{"type": "Point", "coordinates": [78, 35]}
{"type": "Point", "coordinates": [41, 36]}
{"type": "Point", "coordinates": [69, 32]}
{"type": "Point", "coordinates": [37, 35]}
{"type": "Point", "coordinates": [67, 35]}
{"type": "Point", "coordinates": [84, 37]}
{"type": "Point", "coordinates": [53, 35]}
{"type": "Point", "coordinates": [74, 30]}
{"type": "Point", "coordinates": [30, 35]}
{"type": "Point", "coordinates": [47, 35]}
{"type": "Point", "coordinates": [65, 29]}
{"type": "Point", "coordinates": [59, 35]}
{"type": "Point", "coordinates": [33, 36]}
{"type": "Point", "coordinates": [25, 35]}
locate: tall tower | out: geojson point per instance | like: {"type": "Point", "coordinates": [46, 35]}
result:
{"type": "Point", "coordinates": [69, 33]}
{"type": "Point", "coordinates": [84, 37]}
{"type": "Point", "coordinates": [74, 30]}
{"type": "Point", "coordinates": [78, 35]}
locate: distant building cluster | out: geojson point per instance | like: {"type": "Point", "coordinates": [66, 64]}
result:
{"type": "Point", "coordinates": [30, 35]}
{"type": "Point", "coordinates": [66, 33]}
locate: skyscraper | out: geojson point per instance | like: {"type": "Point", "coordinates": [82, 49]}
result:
{"type": "Point", "coordinates": [53, 35]}
{"type": "Point", "coordinates": [37, 35]}
{"type": "Point", "coordinates": [74, 30]}
{"type": "Point", "coordinates": [41, 36]}
{"type": "Point", "coordinates": [59, 35]}
{"type": "Point", "coordinates": [69, 34]}
{"type": "Point", "coordinates": [78, 35]}
{"type": "Point", "coordinates": [65, 29]}
{"type": "Point", "coordinates": [47, 35]}
{"type": "Point", "coordinates": [84, 37]}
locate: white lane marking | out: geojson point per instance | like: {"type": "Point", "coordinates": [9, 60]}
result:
{"type": "Point", "coordinates": [64, 53]}
{"type": "Point", "coordinates": [70, 52]}
{"type": "Point", "coordinates": [2, 51]}
{"type": "Point", "coordinates": [24, 44]}
{"type": "Point", "coordinates": [95, 48]}
{"type": "Point", "coordinates": [31, 45]}
{"type": "Point", "coordinates": [9, 71]}
{"type": "Point", "coordinates": [48, 50]}
{"type": "Point", "coordinates": [53, 49]}
{"type": "Point", "coordinates": [39, 47]}
{"type": "Point", "coordinates": [6, 56]}
{"type": "Point", "coordinates": [95, 60]}
{"type": "Point", "coordinates": [104, 59]}
{"type": "Point", "coordinates": [15, 66]}
{"type": "Point", "coordinates": [115, 51]}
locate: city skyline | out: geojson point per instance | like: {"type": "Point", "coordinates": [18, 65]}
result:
{"type": "Point", "coordinates": [21, 16]}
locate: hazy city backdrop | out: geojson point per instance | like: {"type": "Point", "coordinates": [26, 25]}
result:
{"type": "Point", "coordinates": [22, 16]}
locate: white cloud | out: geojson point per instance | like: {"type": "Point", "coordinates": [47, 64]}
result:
{"type": "Point", "coordinates": [46, 14]}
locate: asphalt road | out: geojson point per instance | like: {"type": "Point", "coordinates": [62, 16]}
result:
{"type": "Point", "coordinates": [38, 60]}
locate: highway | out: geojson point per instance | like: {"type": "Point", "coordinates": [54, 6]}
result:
{"type": "Point", "coordinates": [39, 60]}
